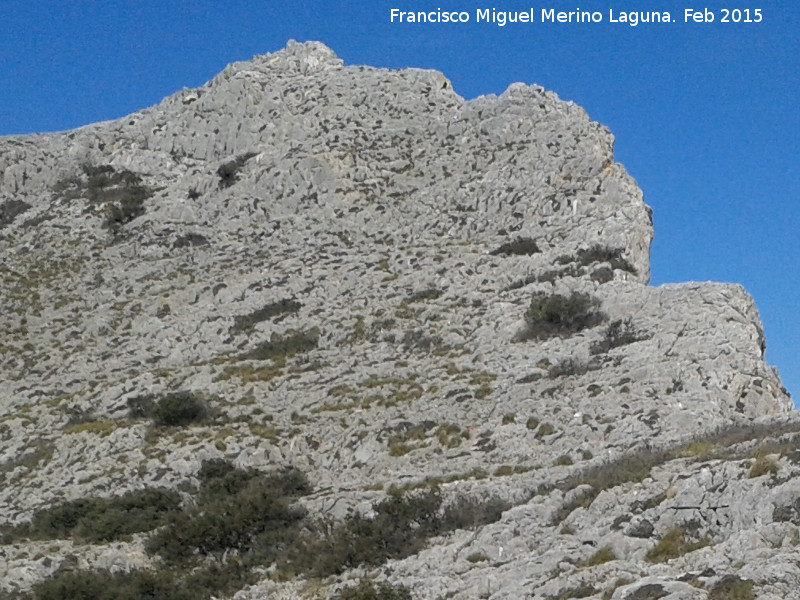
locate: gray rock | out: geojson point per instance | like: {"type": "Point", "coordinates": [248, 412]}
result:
{"type": "Point", "coordinates": [395, 236]}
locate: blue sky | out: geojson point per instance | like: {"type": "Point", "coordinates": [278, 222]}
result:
{"type": "Point", "coordinates": [706, 115]}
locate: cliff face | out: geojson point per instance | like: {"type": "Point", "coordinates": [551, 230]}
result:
{"type": "Point", "coordinates": [356, 273]}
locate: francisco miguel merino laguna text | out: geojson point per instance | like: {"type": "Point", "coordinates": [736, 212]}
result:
{"type": "Point", "coordinates": [548, 15]}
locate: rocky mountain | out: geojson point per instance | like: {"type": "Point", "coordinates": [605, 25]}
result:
{"type": "Point", "coordinates": [322, 331]}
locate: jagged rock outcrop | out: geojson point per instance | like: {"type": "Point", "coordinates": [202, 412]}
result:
{"type": "Point", "coordinates": [360, 275]}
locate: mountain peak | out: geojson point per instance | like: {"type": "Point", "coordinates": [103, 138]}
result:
{"type": "Point", "coordinates": [351, 287]}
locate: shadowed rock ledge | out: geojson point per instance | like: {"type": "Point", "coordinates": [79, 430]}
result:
{"type": "Point", "coordinates": [357, 274]}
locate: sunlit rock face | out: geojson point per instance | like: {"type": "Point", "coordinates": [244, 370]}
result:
{"type": "Point", "coordinates": [356, 273]}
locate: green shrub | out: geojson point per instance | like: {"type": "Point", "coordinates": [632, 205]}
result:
{"type": "Point", "coordinates": [127, 207]}
{"type": "Point", "coordinates": [599, 254]}
{"type": "Point", "coordinates": [563, 461]}
{"type": "Point", "coordinates": [619, 333]}
{"type": "Point", "coordinates": [520, 246]}
{"type": "Point", "coordinates": [179, 408]}
{"type": "Point", "coordinates": [171, 410]}
{"type": "Point", "coordinates": [190, 240]}
{"type": "Point", "coordinates": [423, 295]}
{"type": "Point", "coordinates": [532, 423]}
{"type": "Point", "coordinates": [366, 590]}
{"type": "Point", "coordinates": [229, 172]}
{"type": "Point", "coordinates": [245, 511]}
{"type": "Point", "coordinates": [283, 346]}
{"type": "Point", "coordinates": [10, 209]}
{"type": "Point", "coordinates": [400, 527]}
{"type": "Point", "coordinates": [732, 587]}
{"type": "Point", "coordinates": [120, 195]}
{"type": "Point", "coordinates": [245, 323]}
{"type": "Point", "coordinates": [469, 513]}
{"type": "Point", "coordinates": [545, 429]}
{"type": "Point", "coordinates": [450, 435]}
{"type": "Point", "coordinates": [583, 590]}
{"type": "Point", "coordinates": [163, 584]}
{"type": "Point", "coordinates": [603, 555]}
{"type": "Point", "coordinates": [105, 519]}
{"type": "Point", "coordinates": [103, 585]}
{"type": "Point", "coordinates": [675, 543]}
{"type": "Point", "coordinates": [477, 557]}
{"type": "Point", "coordinates": [551, 315]}
{"type": "Point", "coordinates": [763, 465]}
{"type": "Point", "coordinates": [570, 367]}
{"type": "Point", "coordinates": [649, 591]}
{"type": "Point", "coordinates": [579, 500]}
{"type": "Point", "coordinates": [609, 592]}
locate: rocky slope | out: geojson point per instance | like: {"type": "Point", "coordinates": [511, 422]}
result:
{"type": "Point", "coordinates": [355, 273]}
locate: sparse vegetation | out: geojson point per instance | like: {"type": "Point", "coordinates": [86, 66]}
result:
{"type": "Point", "coordinates": [603, 555]}
{"type": "Point", "coordinates": [190, 240]}
{"type": "Point", "coordinates": [763, 465]}
{"type": "Point", "coordinates": [366, 590]}
{"type": "Point", "coordinates": [675, 543]}
{"type": "Point", "coordinates": [609, 592]}
{"type": "Point", "coordinates": [450, 435]}
{"type": "Point", "coordinates": [583, 590]}
{"type": "Point", "coordinates": [10, 209]}
{"type": "Point", "coordinates": [563, 461]}
{"type": "Point", "coordinates": [618, 333]}
{"type": "Point", "coordinates": [570, 367]}
{"type": "Point", "coordinates": [101, 428]}
{"type": "Point", "coordinates": [246, 323]}
{"type": "Point", "coordinates": [477, 557]}
{"type": "Point", "coordinates": [170, 410]}
{"type": "Point", "coordinates": [229, 172]}
{"type": "Point", "coordinates": [545, 429]}
{"type": "Point", "coordinates": [284, 346]}
{"type": "Point", "coordinates": [649, 591]}
{"type": "Point", "coordinates": [118, 196]}
{"type": "Point", "coordinates": [732, 587]}
{"type": "Point", "coordinates": [423, 295]}
{"type": "Point", "coordinates": [551, 315]}
{"type": "Point", "coordinates": [520, 246]}
{"type": "Point", "coordinates": [601, 254]}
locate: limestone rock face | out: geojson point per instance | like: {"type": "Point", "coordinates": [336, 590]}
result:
{"type": "Point", "coordinates": [367, 278]}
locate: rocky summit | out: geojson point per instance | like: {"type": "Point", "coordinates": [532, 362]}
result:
{"type": "Point", "coordinates": [324, 331]}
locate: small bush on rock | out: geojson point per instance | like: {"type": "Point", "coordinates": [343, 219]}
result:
{"type": "Point", "coordinates": [400, 527]}
{"type": "Point", "coordinates": [102, 585]}
{"type": "Point", "coordinates": [649, 591]}
{"type": "Point", "coordinates": [520, 246]}
{"type": "Point", "coordinates": [551, 315]}
{"type": "Point", "coordinates": [366, 590]}
{"type": "Point", "coordinates": [246, 323]}
{"type": "Point", "coordinates": [604, 254]}
{"type": "Point", "coordinates": [763, 465]}
{"type": "Point", "coordinates": [674, 544]}
{"type": "Point", "coordinates": [619, 333]}
{"type": "Point", "coordinates": [283, 346]}
{"type": "Point", "coordinates": [171, 410]}
{"type": "Point", "coordinates": [732, 587]}
{"type": "Point", "coordinates": [603, 555]}
{"type": "Point", "coordinates": [10, 209]}
{"type": "Point", "coordinates": [229, 172]}
{"type": "Point", "coordinates": [121, 194]}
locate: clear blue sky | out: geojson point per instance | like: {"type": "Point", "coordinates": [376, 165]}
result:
{"type": "Point", "coordinates": [706, 115]}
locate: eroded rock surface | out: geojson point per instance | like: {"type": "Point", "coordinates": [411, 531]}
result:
{"type": "Point", "coordinates": [343, 264]}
